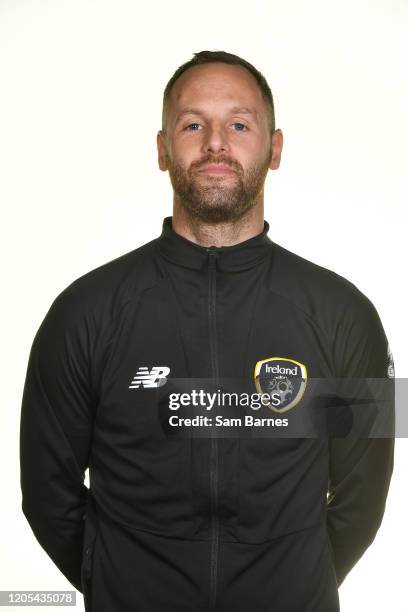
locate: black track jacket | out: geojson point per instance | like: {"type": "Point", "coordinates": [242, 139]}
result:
{"type": "Point", "coordinates": [199, 524]}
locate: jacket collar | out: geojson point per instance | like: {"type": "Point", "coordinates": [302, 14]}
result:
{"type": "Point", "coordinates": [241, 256]}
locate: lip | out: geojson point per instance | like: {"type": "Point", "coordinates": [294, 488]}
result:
{"type": "Point", "coordinates": [217, 169]}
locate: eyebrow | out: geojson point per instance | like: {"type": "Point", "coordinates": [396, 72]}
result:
{"type": "Point", "coordinates": [235, 109]}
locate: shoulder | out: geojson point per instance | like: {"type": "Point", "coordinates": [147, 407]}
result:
{"type": "Point", "coordinates": [103, 291]}
{"type": "Point", "coordinates": [348, 318]}
{"type": "Point", "coordinates": [322, 293]}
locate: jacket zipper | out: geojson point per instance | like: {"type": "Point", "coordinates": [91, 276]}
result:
{"type": "Point", "coordinates": [212, 276]}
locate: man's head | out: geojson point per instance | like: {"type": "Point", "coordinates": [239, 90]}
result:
{"type": "Point", "coordinates": [218, 109]}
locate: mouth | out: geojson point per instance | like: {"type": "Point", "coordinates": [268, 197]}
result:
{"type": "Point", "coordinates": [217, 169]}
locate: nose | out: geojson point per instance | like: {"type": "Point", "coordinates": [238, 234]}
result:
{"type": "Point", "coordinates": [215, 140]}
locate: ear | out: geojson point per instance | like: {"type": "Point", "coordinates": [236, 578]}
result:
{"type": "Point", "coordinates": [161, 150]}
{"type": "Point", "coordinates": [277, 144]}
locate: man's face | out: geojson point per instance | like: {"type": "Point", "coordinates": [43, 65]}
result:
{"type": "Point", "coordinates": [217, 115]}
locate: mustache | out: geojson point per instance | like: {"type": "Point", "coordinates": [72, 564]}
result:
{"type": "Point", "coordinates": [218, 160]}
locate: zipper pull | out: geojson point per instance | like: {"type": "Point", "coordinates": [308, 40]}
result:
{"type": "Point", "coordinates": [212, 256]}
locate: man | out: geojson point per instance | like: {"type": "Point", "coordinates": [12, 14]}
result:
{"type": "Point", "coordinates": [211, 521]}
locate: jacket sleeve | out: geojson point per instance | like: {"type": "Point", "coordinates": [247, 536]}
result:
{"type": "Point", "coordinates": [55, 432]}
{"type": "Point", "coordinates": [360, 467]}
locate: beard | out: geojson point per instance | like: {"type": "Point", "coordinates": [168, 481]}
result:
{"type": "Point", "coordinates": [218, 198]}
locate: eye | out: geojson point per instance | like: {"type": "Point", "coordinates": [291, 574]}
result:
{"type": "Point", "coordinates": [244, 126]}
{"type": "Point", "coordinates": [189, 126]}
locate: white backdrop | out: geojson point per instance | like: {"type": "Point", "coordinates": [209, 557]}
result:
{"type": "Point", "coordinates": [80, 105]}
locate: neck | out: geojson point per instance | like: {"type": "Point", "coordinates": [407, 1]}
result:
{"type": "Point", "coordinates": [226, 233]}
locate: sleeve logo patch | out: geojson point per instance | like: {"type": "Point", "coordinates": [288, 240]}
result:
{"type": "Point", "coordinates": [390, 363]}
{"type": "Point", "coordinates": [283, 379]}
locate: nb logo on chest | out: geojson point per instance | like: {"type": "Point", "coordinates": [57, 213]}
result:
{"type": "Point", "coordinates": [156, 377]}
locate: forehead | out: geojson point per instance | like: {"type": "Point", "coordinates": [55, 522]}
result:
{"type": "Point", "coordinates": [216, 82]}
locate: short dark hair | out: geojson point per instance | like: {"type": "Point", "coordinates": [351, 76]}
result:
{"type": "Point", "coordinates": [208, 57]}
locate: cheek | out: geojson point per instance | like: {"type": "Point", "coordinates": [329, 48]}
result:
{"type": "Point", "coordinates": [249, 150]}
{"type": "Point", "coordinates": [260, 154]}
{"type": "Point", "coordinates": [184, 153]}
{"type": "Point", "coordinates": [257, 147]}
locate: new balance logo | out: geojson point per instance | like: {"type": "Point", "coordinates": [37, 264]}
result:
{"type": "Point", "coordinates": [156, 377]}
